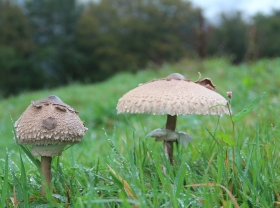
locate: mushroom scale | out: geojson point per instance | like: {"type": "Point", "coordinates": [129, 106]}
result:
{"type": "Point", "coordinates": [48, 122]}
{"type": "Point", "coordinates": [173, 95]}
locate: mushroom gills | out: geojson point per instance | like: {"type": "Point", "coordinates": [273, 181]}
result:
{"type": "Point", "coordinates": [47, 150]}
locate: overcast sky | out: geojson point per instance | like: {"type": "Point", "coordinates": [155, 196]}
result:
{"type": "Point", "coordinates": [212, 8]}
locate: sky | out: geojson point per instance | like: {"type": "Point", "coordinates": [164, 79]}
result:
{"type": "Point", "coordinates": [212, 8]}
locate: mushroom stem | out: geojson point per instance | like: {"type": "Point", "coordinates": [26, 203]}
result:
{"type": "Point", "coordinates": [168, 145]}
{"type": "Point", "coordinates": [46, 170]}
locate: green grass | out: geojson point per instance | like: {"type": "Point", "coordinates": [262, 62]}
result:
{"type": "Point", "coordinates": [116, 166]}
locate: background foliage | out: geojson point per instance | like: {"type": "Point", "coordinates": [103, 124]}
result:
{"type": "Point", "coordinates": [244, 159]}
{"type": "Point", "coordinates": [44, 44]}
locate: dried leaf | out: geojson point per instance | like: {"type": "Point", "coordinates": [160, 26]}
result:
{"type": "Point", "coordinates": [207, 82]}
{"type": "Point", "coordinates": [126, 186]}
{"type": "Point", "coordinates": [14, 201]}
{"type": "Point", "coordinates": [219, 185]}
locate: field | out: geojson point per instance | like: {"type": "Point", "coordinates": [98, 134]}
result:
{"type": "Point", "coordinates": [230, 163]}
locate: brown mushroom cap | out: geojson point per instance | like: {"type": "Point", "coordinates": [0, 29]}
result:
{"type": "Point", "coordinates": [173, 95]}
{"type": "Point", "coordinates": [49, 123]}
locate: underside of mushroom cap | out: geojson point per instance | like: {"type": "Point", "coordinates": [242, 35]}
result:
{"type": "Point", "coordinates": [47, 150]}
{"type": "Point", "coordinates": [49, 122]}
{"type": "Point", "coordinates": [173, 95]}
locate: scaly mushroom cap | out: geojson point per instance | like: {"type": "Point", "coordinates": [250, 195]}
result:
{"type": "Point", "coordinates": [174, 95]}
{"type": "Point", "coordinates": [49, 122]}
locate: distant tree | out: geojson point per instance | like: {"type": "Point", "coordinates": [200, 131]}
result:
{"type": "Point", "coordinates": [160, 30]}
{"type": "Point", "coordinates": [252, 49]}
{"type": "Point", "coordinates": [15, 30]}
{"type": "Point", "coordinates": [87, 32]}
{"type": "Point", "coordinates": [98, 40]}
{"type": "Point", "coordinates": [150, 30]}
{"type": "Point", "coordinates": [201, 34]}
{"type": "Point", "coordinates": [119, 35]}
{"type": "Point", "coordinates": [268, 33]}
{"type": "Point", "coordinates": [16, 72]}
{"type": "Point", "coordinates": [191, 28]}
{"type": "Point", "coordinates": [53, 32]}
{"type": "Point", "coordinates": [229, 38]}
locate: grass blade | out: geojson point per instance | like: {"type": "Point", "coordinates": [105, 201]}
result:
{"type": "Point", "coordinates": [24, 183]}
{"type": "Point", "coordinates": [225, 138]}
{"type": "Point", "coordinates": [96, 174]}
{"type": "Point", "coordinates": [35, 161]}
{"type": "Point", "coordinates": [5, 182]}
{"type": "Point", "coordinates": [219, 185]}
{"type": "Point", "coordinates": [122, 183]}
{"type": "Point", "coordinates": [246, 110]}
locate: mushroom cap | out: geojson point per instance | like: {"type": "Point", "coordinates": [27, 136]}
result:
{"type": "Point", "coordinates": [174, 95]}
{"type": "Point", "coordinates": [49, 122]}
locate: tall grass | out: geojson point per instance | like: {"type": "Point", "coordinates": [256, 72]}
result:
{"type": "Point", "coordinates": [233, 160]}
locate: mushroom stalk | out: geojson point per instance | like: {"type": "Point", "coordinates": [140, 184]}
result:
{"type": "Point", "coordinates": [168, 145]}
{"type": "Point", "coordinates": [46, 170]}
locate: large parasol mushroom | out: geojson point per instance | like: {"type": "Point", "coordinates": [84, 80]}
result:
{"type": "Point", "coordinates": [173, 95]}
{"type": "Point", "coordinates": [48, 125]}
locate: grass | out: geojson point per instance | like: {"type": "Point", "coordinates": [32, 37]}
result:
{"type": "Point", "coordinates": [229, 162]}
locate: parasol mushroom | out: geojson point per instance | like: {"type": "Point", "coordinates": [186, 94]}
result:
{"type": "Point", "coordinates": [48, 125]}
{"type": "Point", "coordinates": [173, 95]}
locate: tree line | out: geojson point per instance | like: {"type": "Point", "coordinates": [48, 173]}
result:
{"type": "Point", "coordinates": [46, 43]}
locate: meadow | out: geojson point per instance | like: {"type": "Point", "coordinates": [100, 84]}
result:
{"type": "Point", "coordinates": [232, 161]}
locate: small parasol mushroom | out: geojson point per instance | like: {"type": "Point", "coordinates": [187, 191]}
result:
{"type": "Point", "coordinates": [48, 125]}
{"type": "Point", "coordinates": [173, 95]}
